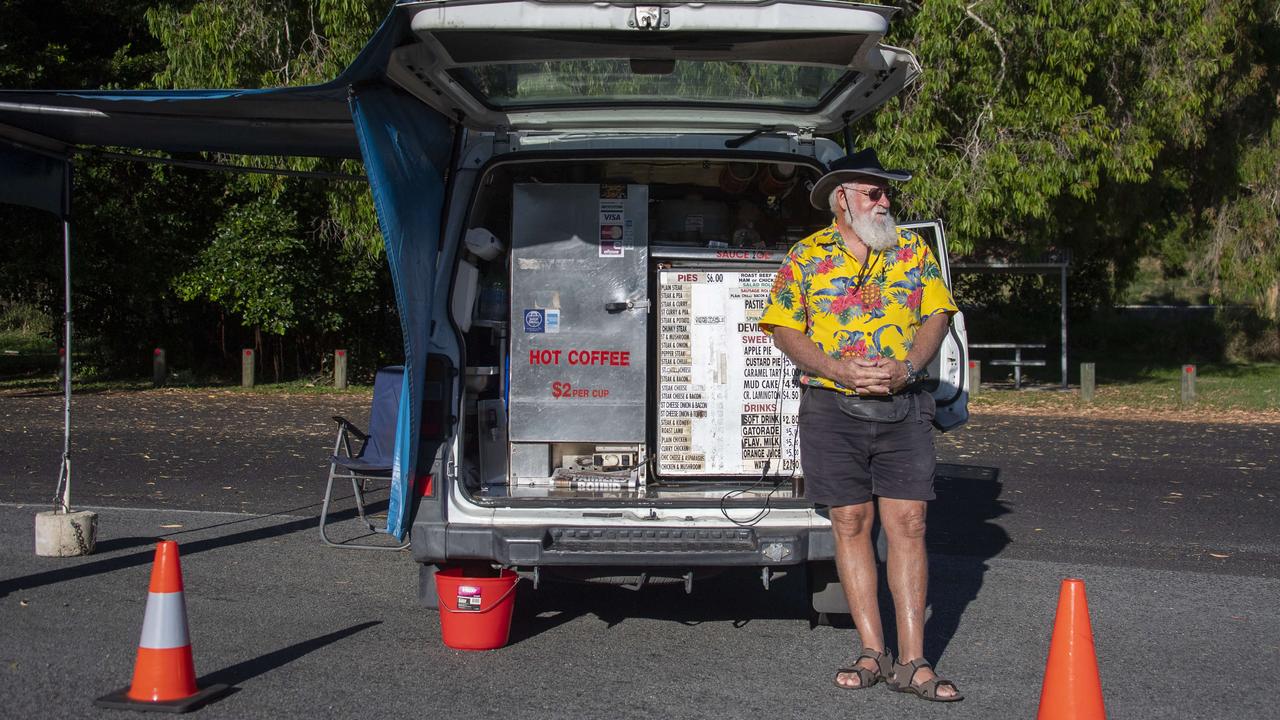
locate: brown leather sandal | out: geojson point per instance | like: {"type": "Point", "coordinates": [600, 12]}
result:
{"type": "Point", "coordinates": [927, 689]}
{"type": "Point", "coordinates": [866, 677]}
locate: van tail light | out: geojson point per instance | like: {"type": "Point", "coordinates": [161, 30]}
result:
{"type": "Point", "coordinates": [424, 486]}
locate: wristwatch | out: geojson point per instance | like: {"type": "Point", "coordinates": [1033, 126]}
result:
{"type": "Point", "coordinates": [914, 376]}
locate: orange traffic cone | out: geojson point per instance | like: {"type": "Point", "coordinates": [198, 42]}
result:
{"type": "Point", "coordinates": [1072, 689]}
{"type": "Point", "coordinates": [164, 677]}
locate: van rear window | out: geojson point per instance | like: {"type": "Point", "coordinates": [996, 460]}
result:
{"type": "Point", "coordinates": [583, 82]}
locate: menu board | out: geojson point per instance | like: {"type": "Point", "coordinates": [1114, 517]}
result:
{"type": "Point", "coordinates": [726, 402]}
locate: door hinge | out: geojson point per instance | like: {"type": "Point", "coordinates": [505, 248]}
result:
{"type": "Point", "coordinates": [501, 140]}
{"type": "Point", "coordinates": [650, 17]}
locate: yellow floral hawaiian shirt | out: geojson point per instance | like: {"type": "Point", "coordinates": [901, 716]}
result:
{"type": "Point", "coordinates": [854, 311]}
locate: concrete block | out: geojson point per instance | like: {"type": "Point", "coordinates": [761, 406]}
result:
{"type": "Point", "coordinates": [60, 534]}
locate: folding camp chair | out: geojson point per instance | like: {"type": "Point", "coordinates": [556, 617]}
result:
{"type": "Point", "coordinates": [372, 461]}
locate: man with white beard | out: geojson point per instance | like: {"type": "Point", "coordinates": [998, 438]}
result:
{"type": "Point", "coordinates": [861, 309]}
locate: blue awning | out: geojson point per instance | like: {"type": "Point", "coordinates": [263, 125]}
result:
{"type": "Point", "coordinates": [406, 150]}
{"type": "Point", "coordinates": [309, 121]}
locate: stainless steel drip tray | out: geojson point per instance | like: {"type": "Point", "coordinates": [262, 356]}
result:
{"type": "Point", "coordinates": [700, 495]}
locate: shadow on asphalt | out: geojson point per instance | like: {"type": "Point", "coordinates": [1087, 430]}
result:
{"type": "Point", "coordinates": [103, 547]}
{"type": "Point", "coordinates": [124, 543]}
{"type": "Point", "coordinates": [106, 565]}
{"type": "Point", "coordinates": [737, 596]}
{"type": "Point", "coordinates": [961, 537]}
{"type": "Point", "coordinates": [244, 671]}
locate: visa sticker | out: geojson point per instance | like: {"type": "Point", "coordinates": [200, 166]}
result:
{"type": "Point", "coordinates": [552, 321]}
{"type": "Point", "coordinates": [535, 321]}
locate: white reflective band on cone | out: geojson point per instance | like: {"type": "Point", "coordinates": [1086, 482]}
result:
{"type": "Point", "coordinates": [165, 624]}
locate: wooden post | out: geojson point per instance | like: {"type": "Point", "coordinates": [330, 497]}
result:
{"type": "Point", "coordinates": [340, 369]}
{"type": "Point", "coordinates": [246, 368]}
{"type": "Point", "coordinates": [975, 376]}
{"type": "Point", "coordinates": [159, 368]}
{"type": "Point", "coordinates": [1188, 384]}
{"type": "Point", "coordinates": [1087, 381]}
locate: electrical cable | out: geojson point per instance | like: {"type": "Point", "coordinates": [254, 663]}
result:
{"type": "Point", "coordinates": [764, 473]}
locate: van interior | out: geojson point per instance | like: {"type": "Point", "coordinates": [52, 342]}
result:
{"type": "Point", "coordinates": [575, 395]}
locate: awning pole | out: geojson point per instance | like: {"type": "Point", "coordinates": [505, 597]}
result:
{"type": "Point", "coordinates": [64, 471]}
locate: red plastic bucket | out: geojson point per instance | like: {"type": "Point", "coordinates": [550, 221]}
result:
{"type": "Point", "coordinates": [475, 612]}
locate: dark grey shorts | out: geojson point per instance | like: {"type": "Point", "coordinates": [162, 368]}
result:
{"type": "Point", "coordinates": [847, 461]}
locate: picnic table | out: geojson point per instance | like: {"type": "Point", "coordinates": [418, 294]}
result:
{"type": "Point", "coordinates": [1017, 362]}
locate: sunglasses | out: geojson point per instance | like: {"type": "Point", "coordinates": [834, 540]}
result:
{"type": "Point", "coordinates": [874, 194]}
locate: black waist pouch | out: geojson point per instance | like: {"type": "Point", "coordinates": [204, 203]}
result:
{"type": "Point", "coordinates": [875, 408]}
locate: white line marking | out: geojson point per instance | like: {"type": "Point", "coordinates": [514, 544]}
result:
{"type": "Point", "coordinates": [22, 506]}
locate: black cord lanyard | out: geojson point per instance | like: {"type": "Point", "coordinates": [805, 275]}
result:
{"type": "Point", "coordinates": [865, 273]}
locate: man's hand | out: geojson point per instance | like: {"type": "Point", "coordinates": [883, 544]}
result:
{"type": "Point", "coordinates": [865, 377]}
{"type": "Point", "coordinates": [897, 373]}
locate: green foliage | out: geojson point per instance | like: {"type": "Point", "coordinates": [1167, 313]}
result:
{"type": "Point", "coordinates": [1242, 233]}
{"type": "Point", "coordinates": [24, 319]}
{"type": "Point", "coordinates": [1084, 127]}
{"type": "Point", "coordinates": [297, 259]}
{"type": "Point", "coordinates": [78, 45]}
{"type": "Point", "coordinates": [288, 256]}
{"type": "Point", "coordinates": [263, 268]}
{"type": "Point", "coordinates": [276, 43]}
{"type": "Point", "coordinates": [260, 43]}
{"type": "Point", "coordinates": [250, 266]}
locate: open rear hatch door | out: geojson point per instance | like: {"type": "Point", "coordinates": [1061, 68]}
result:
{"type": "Point", "coordinates": [949, 369]}
{"type": "Point", "coordinates": [786, 65]}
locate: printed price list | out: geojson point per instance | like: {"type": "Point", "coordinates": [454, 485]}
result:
{"type": "Point", "coordinates": [680, 401]}
{"type": "Point", "coordinates": [727, 404]}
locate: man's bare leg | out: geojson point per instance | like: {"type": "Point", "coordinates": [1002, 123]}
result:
{"type": "Point", "coordinates": [856, 564]}
{"type": "Point", "coordinates": [904, 524]}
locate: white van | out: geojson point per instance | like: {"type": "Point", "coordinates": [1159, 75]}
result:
{"type": "Point", "coordinates": [629, 179]}
{"type": "Point", "coordinates": [583, 204]}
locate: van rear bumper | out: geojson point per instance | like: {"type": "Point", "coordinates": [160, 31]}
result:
{"type": "Point", "coordinates": [635, 546]}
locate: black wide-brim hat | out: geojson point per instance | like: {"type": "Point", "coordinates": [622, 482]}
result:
{"type": "Point", "coordinates": [847, 169]}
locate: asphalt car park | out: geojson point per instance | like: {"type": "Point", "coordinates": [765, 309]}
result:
{"type": "Point", "coordinates": [1169, 523]}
